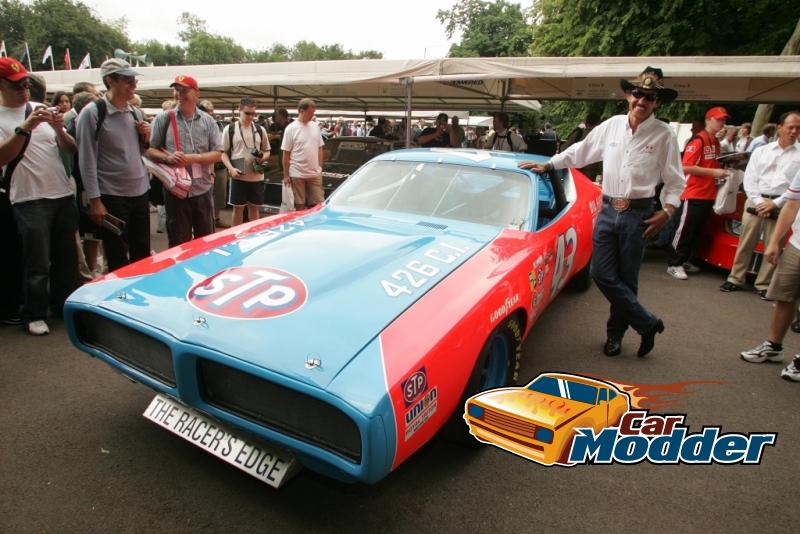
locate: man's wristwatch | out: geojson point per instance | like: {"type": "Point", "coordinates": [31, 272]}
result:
{"type": "Point", "coordinates": [23, 133]}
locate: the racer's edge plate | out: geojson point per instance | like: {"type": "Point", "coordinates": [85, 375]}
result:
{"type": "Point", "coordinates": [267, 463]}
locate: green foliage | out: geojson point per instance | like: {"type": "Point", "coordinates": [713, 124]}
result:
{"type": "Point", "coordinates": [159, 53]}
{"type": "Point", "coordinates": [489, 29]}
{"type": "Point", "coordinates": [62, 24]}
{"type": "Point", "coordinates": [308, 51]}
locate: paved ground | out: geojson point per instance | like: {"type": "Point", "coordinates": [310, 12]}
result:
{"type": "Point", "coordinates": [76, 455]}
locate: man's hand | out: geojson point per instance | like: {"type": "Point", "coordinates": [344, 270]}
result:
{"type": "Point", "coordinates": [772, 253]}
{"type": "Point", "coordinates": [765, 208]}
{"type": "Point", "coordinates": [233, 171]}
{"type": "Point", "coordinates": [535, 166]}
{"type": "Point", "coordinates": [177, 159]}
{"type": "Point", "coordinates": [37, 117]}
{"type": "Point", "coordinates": [655, 223]}
{"type": "Point", "coordinates": [287, 180]}
{"type": "Point", "coordinates": [97, 211]}
{"type": "Point", "coordinates": [143, 127]}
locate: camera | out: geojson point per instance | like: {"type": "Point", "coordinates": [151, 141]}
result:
{"type": "Point", "coordinates": [256, 153]}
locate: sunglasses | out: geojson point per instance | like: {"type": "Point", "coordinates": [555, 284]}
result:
{"type": "Point", "coordinates": [130, 80]}
{"type": "Point", "coordinates": [20, 84]}
{"type": "Point", "coordinates": [250, 113]}
{"type": "Point", "coordinates": [638, 93]}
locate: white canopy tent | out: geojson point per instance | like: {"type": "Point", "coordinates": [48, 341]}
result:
{"type": "Point", "coordinates": [486, 84]}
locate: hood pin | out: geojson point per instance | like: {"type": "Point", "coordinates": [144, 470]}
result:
{"type": "Point", "coordinates": [313, 361]}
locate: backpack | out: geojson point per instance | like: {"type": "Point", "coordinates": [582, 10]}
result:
{"type": "Point", "coordinates": [102, 111]}
{"type": "Point", "coordinates": [258, 129]}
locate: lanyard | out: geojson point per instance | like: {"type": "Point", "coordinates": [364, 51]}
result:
{"type": "Point", "coordinates": [189, 129]}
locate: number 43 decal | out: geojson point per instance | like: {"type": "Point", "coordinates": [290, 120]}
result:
{"type": "Point", "coordinates": [565, 256]}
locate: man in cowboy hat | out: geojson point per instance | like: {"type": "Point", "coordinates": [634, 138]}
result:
{"type": "Point", "coordinates": [638, 151]}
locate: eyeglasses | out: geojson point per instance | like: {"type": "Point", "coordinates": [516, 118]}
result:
{"type": "Point", "coordinates": [250, 113]}
{"type": "Point", "coordinates": [638, 93]}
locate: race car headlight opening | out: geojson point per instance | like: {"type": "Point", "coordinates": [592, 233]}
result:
{"type": "Point", "coordinates": [279, 408]}
{"type": "Point", "coordinates": [545, 435]}
{"type": "Point", "coordinates": [475, 411]}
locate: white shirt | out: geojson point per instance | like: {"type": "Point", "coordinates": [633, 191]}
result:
{"type": "Point", "coordinates": [40, 173]}
{"type": "Point", "coordinates": [303, 140]}
{"type": "Point", "coordinates": [743, 144]}
{"type": "Point", "coordinates": [770, 171]}
{"type": "Point", "coordinates": [793, 193]}
{"type": "Point", "coordinates": [242, 147]}
{"type": "Point", "coordinates": [633, 163]}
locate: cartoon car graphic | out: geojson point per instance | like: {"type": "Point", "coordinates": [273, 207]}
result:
{"type": "Point", "coordinates": [350, 334]}
{"type": "Point", "coordinates": [538, 421]}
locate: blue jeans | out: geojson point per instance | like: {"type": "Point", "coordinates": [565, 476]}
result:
{"type": "Point", "coordinates": [49, 254]}
{"type": "Point", "coordinates": [618, 246]}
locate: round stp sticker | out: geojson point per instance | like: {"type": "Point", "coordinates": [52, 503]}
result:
{"type": "Point", "coordinates": [249, 293]}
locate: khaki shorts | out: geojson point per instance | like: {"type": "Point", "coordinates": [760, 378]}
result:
{"type": "Point", "coordinates": [307, 192]}
{"type": "Point", "coordinates": [785, 284]}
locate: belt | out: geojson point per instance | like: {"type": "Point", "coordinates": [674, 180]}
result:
{"type": "Point", "coordinates": [622, 204]}
{"type": "Point", "coordinates": [771, 197]}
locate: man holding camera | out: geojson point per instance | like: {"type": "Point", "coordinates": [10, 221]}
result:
{"type": "Point", "coordinates": [436, 136]}
{"type": "Point", "coordinates": [41, 202]}
{"type": "Point", "coordinates": [245, 154]}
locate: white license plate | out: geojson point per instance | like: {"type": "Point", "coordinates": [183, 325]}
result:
{"type": "Point", "coordinates": [267, 463]}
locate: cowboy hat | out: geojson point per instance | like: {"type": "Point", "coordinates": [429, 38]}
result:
{"type": "Point", "coordinates": [651, 79]}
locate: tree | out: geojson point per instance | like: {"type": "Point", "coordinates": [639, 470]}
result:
{"type": "Point", "coordinates": [159, 53]}
{"type": "Point", "coordinates": [489, 29]}
{"type": "Point", "coordinates": [635, 28]}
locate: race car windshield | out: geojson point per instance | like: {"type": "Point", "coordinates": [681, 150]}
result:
{"type": "Point", "coordinates": [458, 192]}
{"type": "Point", "coordinates": [558, 387]}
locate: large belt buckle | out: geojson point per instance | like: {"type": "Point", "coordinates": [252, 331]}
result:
{"type": "Point", "coordinates": [620, 204]}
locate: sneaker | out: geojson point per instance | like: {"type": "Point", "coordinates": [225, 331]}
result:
{"type": "Point", "coordinates": [763, 294]}
{"type": "Point", "coordinates": [792, 371]}
{"type": "Point", "coordinates": [762, 353]}
{"type": "Point", "coordinates": [38, 328]}
{"type": "Point", "coordinates": [691, 268]}
{"type": "Point", "coordinates": [729, 287]}
{"type": "Point", "coordinates": [677, 272]}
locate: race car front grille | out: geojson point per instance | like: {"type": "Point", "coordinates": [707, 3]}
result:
{"type": "Point", "coordinates": [506, 422]}
{"type": "Point", "coordinates": [140, 351]}
{"type": "Point", "coordinates": [279, 408]}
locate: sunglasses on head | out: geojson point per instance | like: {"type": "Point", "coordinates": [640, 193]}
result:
{"type": "Point", "coordinates": [638, 93]}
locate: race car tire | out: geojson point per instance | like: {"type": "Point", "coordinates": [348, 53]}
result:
{"type": "Point", "coordinates": [582, 280]}
{"type": "Point", "coordinates": [497, 366]}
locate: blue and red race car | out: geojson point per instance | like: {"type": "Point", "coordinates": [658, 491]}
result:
{"type": "Point", "coordinates": [348, 335]}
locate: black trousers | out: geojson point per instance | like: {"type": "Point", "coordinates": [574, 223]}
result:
{"type": "Point", "coordinates": [134, 243]}
{"type": "Point", "coordinates": [692, 219]}
{"type": "Point", "coordinates": [189, 218]}
{"type": "Point", "coordinates": [11, 265]}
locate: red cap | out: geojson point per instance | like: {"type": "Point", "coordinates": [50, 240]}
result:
{"type": "Point", "coordinates": [718, 113]}
{"type": "Point", "coordinates": [185, 81]}
{"type": "Point", "coordinates": [11, 69]}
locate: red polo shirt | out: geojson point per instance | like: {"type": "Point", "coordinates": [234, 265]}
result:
{"type": "Point", "coordinates": [702, 151]}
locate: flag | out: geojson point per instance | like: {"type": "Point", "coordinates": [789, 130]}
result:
{"type": "Point", "coordinates": [67, 60]}
{"type": "Point", "coordinates": [86, 62]}
{"type": "Point", "coordinates": [26, 54]}
{"type": "Point", "coordinates": [48, 54]}
{"type": "Point", "coordinates": [3, 49]}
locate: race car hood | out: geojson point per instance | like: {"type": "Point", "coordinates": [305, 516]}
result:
{"type": "Point", "coordinates": [320, 287]}
{"type": "Point", "coordinates": [543, 409]}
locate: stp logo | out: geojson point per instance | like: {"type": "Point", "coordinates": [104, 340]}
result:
{"type": "Point", "coordinates": [414, 386]}
{"type": "Point", "coordinates": [249, 293]}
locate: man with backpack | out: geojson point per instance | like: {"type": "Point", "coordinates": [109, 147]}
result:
{"type": "Point", "coordinates": [245, 153]}
{"type": "Point", "coordinates": [112, 136]}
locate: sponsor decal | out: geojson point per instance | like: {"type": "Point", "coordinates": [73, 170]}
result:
{"type": "Point", "coordinates": [566, 419]}
{"type": "Point", "coordinates": [414, 386]}
{"type": "Point", "coordinates": [420, 413]}
{"type": "Point", "coordinates": [504, 309]}
{"type": "Point", "coordinates": [249, 293]}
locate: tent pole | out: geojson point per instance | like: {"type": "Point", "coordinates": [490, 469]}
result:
{"type": "Point", "coordinates": [409, 83]}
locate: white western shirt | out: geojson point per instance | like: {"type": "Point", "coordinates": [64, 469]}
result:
{"type": "Point", "coordinates": [633, 163]}
{"type": "Point", "coordinates": [770, 171]}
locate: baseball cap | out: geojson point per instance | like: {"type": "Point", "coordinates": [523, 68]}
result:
{"type": "Point", "coordinates": [185, 81]}
{"type": "Point", "coordinates": [717, 112]}
{"type": "Point", "coordinates": [11, 69]}
{"type": "Point", "coordinates": [116, 65]}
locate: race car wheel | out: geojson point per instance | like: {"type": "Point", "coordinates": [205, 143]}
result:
{"type": "Point", "coordinates": [497, 366]}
